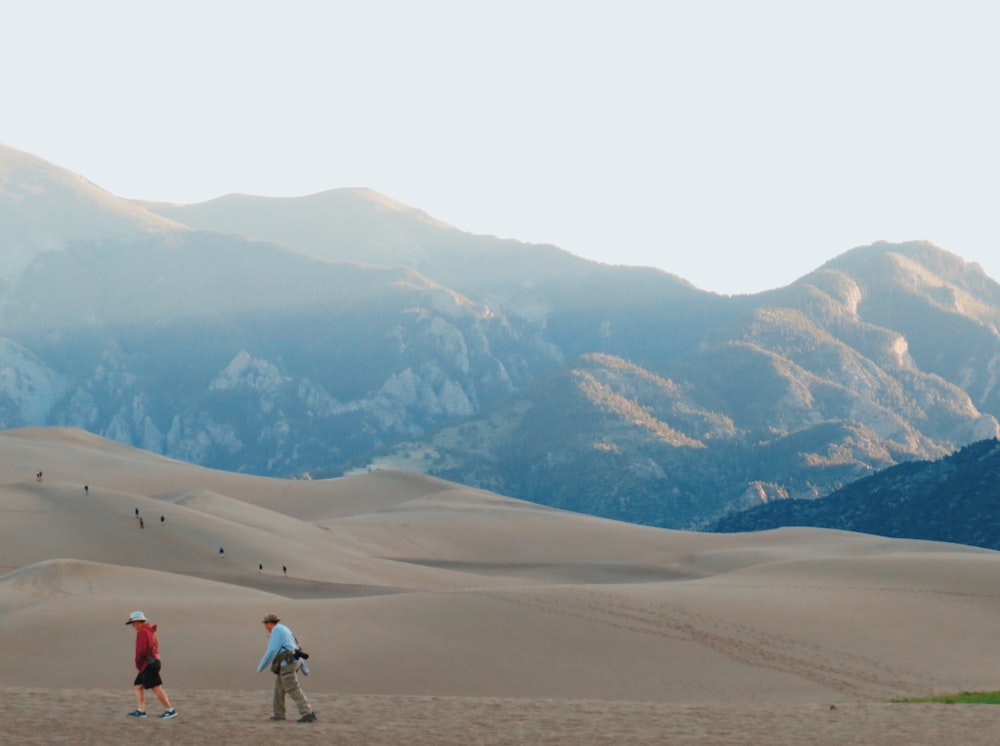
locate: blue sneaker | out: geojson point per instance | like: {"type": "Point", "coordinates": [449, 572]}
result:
{"type": "Point", "coordinates": [137, 714]}
{"type": "Point", "coordinates": [171, 713]}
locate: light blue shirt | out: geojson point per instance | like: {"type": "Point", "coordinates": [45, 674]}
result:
{"type": "Point", "coordinates": [281, 639]}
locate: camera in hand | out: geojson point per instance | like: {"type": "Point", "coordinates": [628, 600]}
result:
{"type": "Point", "coordinates": [300, 653]}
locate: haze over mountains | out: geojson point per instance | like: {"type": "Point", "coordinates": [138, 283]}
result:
{"type": "Point", "coordinates": [344, 331]}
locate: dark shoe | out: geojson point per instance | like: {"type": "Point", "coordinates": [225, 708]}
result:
{"type": "Point", "coordinates": [137, 714]}
{"type": "Point", "coordinates": [310, 718]}
{"type": "Point", "coordinates": [275, 717]}
{"type": "Point", "coordinates": [171, 713]}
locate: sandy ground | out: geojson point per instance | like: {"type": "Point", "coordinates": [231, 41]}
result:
{"type": "Point", "coordinates": [439, 614]}
{"type": "Point", "coordinates": [94, 716]}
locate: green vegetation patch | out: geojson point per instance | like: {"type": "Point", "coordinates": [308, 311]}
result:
{"type": "Point", "coordinates": [963, 698]}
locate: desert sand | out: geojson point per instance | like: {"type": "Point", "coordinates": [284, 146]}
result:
{"type": "Point", "coordinates": [440, 614]}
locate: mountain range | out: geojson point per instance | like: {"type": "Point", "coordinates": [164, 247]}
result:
{"type": "Point", "coordinates": [344, 332]}
{"type": "Point", "coordinates": [952, 499]}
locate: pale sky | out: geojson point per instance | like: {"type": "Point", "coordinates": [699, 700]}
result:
{"type": "Point", "coordinates": [739, 144]}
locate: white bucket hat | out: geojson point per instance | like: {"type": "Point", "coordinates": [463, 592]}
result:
{"type": "Point", "coordinates": [136, 616]}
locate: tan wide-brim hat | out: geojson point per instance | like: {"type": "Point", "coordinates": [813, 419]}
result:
{"type": "Point", "coordinates": [270, 619]}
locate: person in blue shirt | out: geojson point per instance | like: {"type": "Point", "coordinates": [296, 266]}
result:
{"type": "Point", "coordinates": [280, 656]}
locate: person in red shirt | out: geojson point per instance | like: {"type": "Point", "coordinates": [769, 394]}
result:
{"type": "Point", "coordinates": [147, 661]}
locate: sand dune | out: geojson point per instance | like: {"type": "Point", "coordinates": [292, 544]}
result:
{"type": "Point", "coordinates": [405, 587]}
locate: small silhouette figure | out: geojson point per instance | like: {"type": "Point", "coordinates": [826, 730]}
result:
{"type": "Point", "coordinates": [162, 519]}
{"type": "Point", "coordinates": [142, 523]}
{"type": "Point", "coordinates": [284, 571]}
{"type": "Point", "coordinates": [38, 477]}
{"type": "Point", "coordinates": [136, 512]}
{"type": "Point", "coordinates": [260, 568]}
{"type": "Point", "coordinates": [86, 489]}
{"type": "Point", "coordinates": [221, 552]}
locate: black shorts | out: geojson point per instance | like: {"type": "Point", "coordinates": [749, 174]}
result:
{"type": "Point", "coordinates": [149, 677]}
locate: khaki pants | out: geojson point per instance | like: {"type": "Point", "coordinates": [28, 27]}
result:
{"type": "Point", "coordinates": [287, 682]}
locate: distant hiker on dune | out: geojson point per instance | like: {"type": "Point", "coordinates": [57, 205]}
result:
{"type": "Point", "coordinates": [147, 661]}
{"type": "Point", "coordinates": [38, 477]}
{"type": "Point", "coordinates": [283, 656]}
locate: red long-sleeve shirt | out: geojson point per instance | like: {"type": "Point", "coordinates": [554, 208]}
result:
{"type": "Point", "coordinates": [147, 645]}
